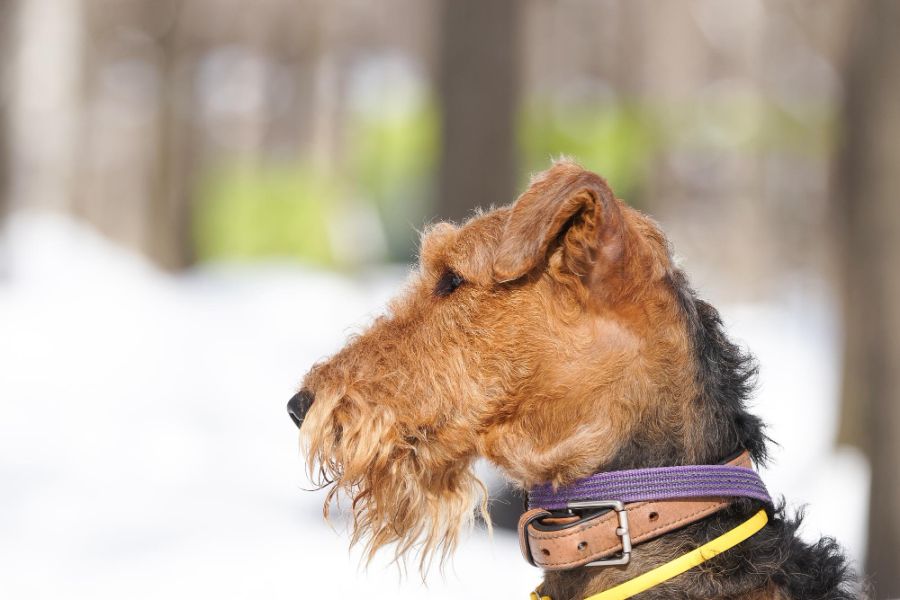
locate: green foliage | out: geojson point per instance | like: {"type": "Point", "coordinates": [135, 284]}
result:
{"type": "Point", "coordinates": [616, 140]}
{"type": "Point", "coordinates": [288, 210]}
{"type": "Point", "coordinates": [269, 211]}
{"type": "Point", "coordinates": [393, 159]}
{"type": "Point", "coordinates": [625, 140]}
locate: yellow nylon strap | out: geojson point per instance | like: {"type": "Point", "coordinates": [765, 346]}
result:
{"type": "Point", "coordinates": [683, 563]}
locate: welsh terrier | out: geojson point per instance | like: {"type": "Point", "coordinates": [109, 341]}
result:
{"type": "Point", "coordinates": [556, 338]}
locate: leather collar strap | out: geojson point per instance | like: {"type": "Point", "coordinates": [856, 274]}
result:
{"type": "Point", "coordinates": [685, 562]}
{"type": "Point", "coordinates": [553, 542]}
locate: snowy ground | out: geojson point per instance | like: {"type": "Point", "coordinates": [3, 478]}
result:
{"type": "Point", "coordinates": [145, 451]}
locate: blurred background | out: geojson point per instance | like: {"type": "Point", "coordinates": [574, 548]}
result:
{"type": "Point", "coordinates": [200, 198]}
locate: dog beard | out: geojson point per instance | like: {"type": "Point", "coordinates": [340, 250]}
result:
{"type": "Point", "coordinates": [404, 489]}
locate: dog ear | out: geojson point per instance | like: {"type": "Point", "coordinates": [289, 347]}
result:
{"type": "Point", "coordinates": [567, 204]}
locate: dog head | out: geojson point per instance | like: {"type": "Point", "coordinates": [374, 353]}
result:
{"type": "Point", "coordinates": [549, 336]}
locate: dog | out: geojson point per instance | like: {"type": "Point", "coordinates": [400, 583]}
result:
{"type": "Point", "coordinates": [556, 338]}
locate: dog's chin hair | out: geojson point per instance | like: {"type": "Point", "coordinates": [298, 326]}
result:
{"type": "Point", "coordinates": [400, 494]}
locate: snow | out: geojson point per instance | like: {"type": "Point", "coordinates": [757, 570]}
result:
{"type": "Point", "coordinates": [145, 450]}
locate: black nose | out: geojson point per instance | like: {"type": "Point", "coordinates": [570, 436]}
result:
{"type": "Point", "coordinates": [298, 406]}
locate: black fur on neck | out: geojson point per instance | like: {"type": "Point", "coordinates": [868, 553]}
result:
{"type": "Point", "coordinates": [725, 376]}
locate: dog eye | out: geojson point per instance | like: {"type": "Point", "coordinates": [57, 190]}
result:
{"type": "Point", "coordinates": [448, 283]}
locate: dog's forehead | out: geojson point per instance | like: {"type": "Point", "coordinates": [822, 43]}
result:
{"type": "Point", "coordinates": [484, 229]}
{"type": "Point", "coordinates": [472, 250]}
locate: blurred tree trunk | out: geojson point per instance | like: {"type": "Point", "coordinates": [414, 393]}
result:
{"type": "Point", "coordinates": [868, 201]}
{"type": "Point", "coordinates": [169, 215]}
{"type": "Point", "coordinates": [139, 191]}
{"type": "Point", "coordinates": [6, 17]}
{"type": "Point", "coordinates": [479, 96]}
{"type": "Point", "coordinates": [479, 93]}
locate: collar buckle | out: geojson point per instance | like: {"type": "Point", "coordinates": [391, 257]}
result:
{"type": "Point", "coordinates": [622, 530]}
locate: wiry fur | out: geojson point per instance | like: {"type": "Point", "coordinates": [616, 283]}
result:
{"type": "Point", "coordinates": [774, 563]}
{"type": "Point", "coordinates": [572, 344]}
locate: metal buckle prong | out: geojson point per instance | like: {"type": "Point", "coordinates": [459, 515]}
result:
{"type": "Point", "coordinates": [622, 530]}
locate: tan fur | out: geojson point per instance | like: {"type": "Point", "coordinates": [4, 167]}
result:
{"type": "Point", "coordinates": [563, 338]}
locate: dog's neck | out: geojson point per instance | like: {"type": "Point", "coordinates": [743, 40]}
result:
{"type": "Point", "coordinates": [714, 420]}
{"type": "Point", "coordinates": [724, 379]}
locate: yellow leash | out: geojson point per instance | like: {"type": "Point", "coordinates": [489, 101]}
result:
{"type": "Point", "coordinates": [683, 563]}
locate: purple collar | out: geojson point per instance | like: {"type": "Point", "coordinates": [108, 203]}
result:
{"type": "Point", "coordinates": [661, 483]}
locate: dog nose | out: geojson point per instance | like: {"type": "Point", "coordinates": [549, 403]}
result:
{"type": "Point", "coordinates": [298, 406]}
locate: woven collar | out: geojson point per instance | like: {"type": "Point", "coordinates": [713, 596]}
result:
{"type": "Point", "coordinates": [661, 483]}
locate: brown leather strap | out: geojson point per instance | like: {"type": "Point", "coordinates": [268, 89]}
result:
{"type": "Point", "coordinates": [596, 538]}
